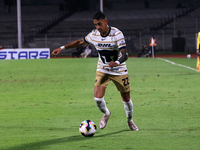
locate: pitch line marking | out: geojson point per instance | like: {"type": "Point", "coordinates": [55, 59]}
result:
{"type": "Point", "coordinates": [177, 64]}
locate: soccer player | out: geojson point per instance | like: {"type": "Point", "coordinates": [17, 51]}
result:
{"type": "Point", "coordinates": [111, 66]}
{"type": "Point", "coordinates": [87, 51]}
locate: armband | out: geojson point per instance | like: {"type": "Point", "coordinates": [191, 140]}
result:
{"type": "Point", "coordinates": [62, 47]}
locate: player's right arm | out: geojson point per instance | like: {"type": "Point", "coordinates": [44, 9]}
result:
{"type": "Point", "coordinates": [73, 44]}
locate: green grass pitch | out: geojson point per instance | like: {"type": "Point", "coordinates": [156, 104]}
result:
{"type": "Point", "coordinates": [42, 103]}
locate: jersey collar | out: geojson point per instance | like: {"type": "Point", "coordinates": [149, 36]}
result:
{"type": "Point", "coordinates": [107, 33]}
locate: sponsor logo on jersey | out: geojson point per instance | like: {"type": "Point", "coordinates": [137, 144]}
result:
{"type": "Point", "coordinates": [104, 45]}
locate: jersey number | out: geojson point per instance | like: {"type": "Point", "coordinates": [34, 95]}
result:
{"type": "Point", "coordinates": [125, 81]}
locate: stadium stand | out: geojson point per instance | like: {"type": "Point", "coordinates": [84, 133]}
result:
{"type": "Point", "coordinates": [48, 25]}
{"type": "Point", "coordinates": [34, 18]}
{"type": "Point", "coordinates": [131, 22]}
{"type": "Point", "coordinates": [188, 26]}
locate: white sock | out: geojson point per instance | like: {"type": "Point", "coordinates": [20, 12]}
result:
{"type": "Point", "coordinates": [101, 104]}
{"type": "Point", "coordinates": [128, 106]}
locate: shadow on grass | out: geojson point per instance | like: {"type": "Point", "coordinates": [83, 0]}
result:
{"type": "Point", "coordinates": [43, 144]}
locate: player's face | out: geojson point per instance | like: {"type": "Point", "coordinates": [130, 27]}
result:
{"type": "Point", "coordinates": [101, 25]}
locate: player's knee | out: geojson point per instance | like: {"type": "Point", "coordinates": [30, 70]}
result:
{"type": "Point", "coordinates": [125, 96]}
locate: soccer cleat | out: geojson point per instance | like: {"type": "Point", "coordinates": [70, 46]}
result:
{"type": "Point", "coordinates": [132, 126]}
{"type": "Point", "coordinates": [104, 121]}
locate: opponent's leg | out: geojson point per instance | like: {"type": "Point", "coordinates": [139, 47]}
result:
{"type": "Point", "coordinates": [98, 97]}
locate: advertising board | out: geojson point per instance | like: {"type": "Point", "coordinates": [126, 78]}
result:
{"type": "Point", "coordinates": [25, 53]}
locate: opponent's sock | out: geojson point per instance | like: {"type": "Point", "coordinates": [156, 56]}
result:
{"type": "Point", "coordinates": [101, 104]}
{"type": "Point", "coordinates": [128, 106]}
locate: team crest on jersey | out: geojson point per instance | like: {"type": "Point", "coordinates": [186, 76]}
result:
{"type": "Point", "coordinates": [122, 42]}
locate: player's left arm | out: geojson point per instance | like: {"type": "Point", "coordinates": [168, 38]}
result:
{"type": "Point", "coordinates": [122, 47]}
{"type": "Point", "coordinates": [122, 59]}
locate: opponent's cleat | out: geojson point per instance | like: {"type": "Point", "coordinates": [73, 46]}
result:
{"type": "Point", "coordinates": [132, 126]}
{"type": "Point", "coordinates": [104, 121]}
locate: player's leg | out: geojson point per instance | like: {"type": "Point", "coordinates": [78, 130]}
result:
{"type": "Point", "coordinates": [128, 107]}
{"type": "Point", "coordinates": [122, 84]}
{"type": "Point", "coordinates": [99, 92]}
{"type": "Point", "coordinates": [82, 54]}
{"type": "Point", "coordinates": [87, 54]}
{"type": "Point", "coordinates": [101, 83]}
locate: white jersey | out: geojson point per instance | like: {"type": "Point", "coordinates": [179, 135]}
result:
{"type": "Point", "coordinates": [108, 48]}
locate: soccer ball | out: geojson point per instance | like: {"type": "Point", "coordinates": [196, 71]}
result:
{"type": "Point", "coordinates": [87, 128]}
{"type": "Point", "coordinates": [189, 56]}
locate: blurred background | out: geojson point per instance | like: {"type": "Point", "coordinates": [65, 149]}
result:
{"type": "Point", "coordinates": [52, 23]}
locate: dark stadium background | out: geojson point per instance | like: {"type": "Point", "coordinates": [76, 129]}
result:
{"type": "Point", "coordinates": [52, 23]}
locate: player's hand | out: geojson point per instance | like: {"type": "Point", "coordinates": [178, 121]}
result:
{"type": "Point", "coordinates": [113, 64]}
{"type": "Point", "coordinates": [56, 51]}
